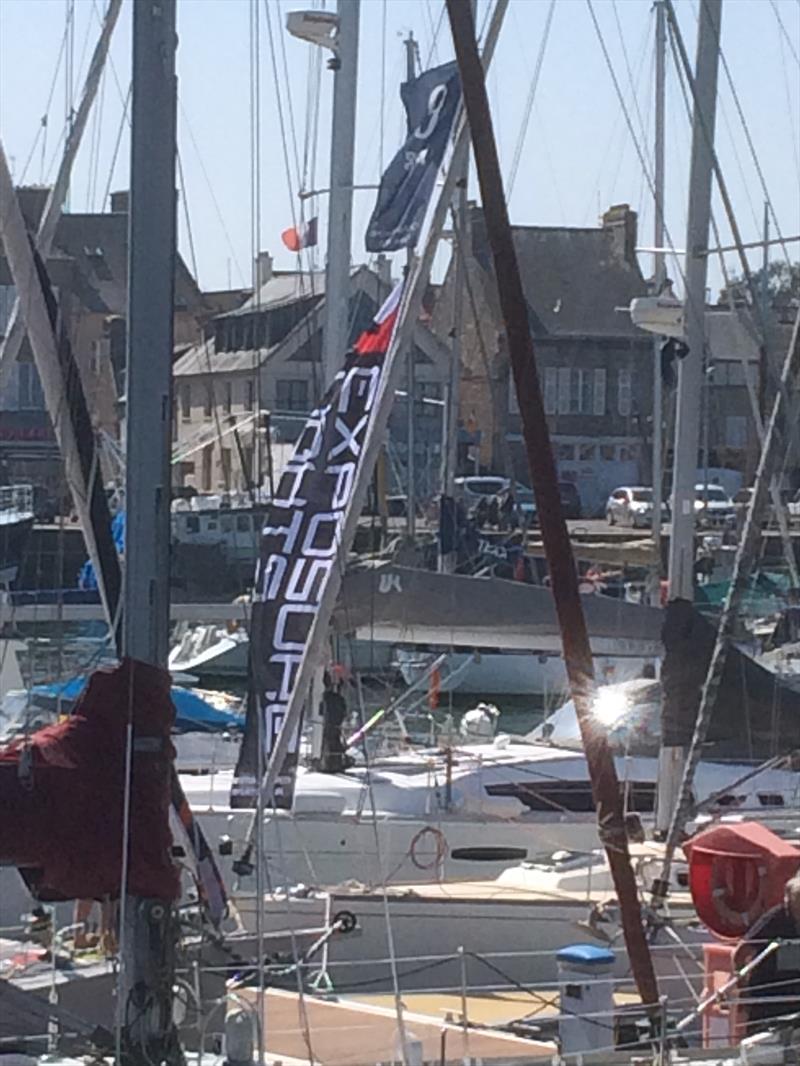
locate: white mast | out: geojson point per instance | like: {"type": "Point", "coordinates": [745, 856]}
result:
{"type": "Point", "coordinates": [659, 275]}
{"type": "Point", "coordinates": [340, 202]}
{"type": "Point", "coordinates": [146, 950]}
{"type": "Point", "coordinates": [690, 374]}
{"type": "Point", "coordinates": [411, 377]}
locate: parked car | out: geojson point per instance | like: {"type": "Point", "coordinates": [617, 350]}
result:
{"type": "Point", "coordinates": [713, 507]}
{"type": "Point", "coordinates": [632, 505]}
{"type": "Point", "coordinates": [474, 488]}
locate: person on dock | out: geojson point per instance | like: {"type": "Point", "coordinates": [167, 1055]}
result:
{"type": "Point", "coordinates": [334, 711]}
{"type": "Point", "coordinates": [772, 988]}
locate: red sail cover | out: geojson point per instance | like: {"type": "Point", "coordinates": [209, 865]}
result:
{"type": "Point", "coordinates": [62, 792]}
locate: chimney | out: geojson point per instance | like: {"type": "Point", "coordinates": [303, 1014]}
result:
{"type": "Point", "coordinates": [621, 223]}
{"type": "Point", "coordinates": [119, 202]}
{"type": "Point", "coordinates": [263, 268]}
{"type": "Point", "coordinates": [32, 199]}
{"type": "Point", "coordinates": [383, 265]}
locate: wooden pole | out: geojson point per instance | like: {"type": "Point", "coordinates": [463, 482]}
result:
{"type": "Point", "coordinates": [558, 549]}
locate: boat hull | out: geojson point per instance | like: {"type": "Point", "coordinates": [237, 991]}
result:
{"type": "Point", "coordinates": [512, 673]}
{"type": "Point", "coordinates": [504, 943]}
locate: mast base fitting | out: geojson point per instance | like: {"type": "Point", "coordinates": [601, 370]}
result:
{"type": "Point", "coordinates": [659, 888]}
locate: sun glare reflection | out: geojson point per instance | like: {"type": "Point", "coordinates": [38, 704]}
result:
{"type": "Point", "coordinates": [609, 706]}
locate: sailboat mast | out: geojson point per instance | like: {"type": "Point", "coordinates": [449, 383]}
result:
{"type": "Point", "coordinates": [690, 381]}
{"type": "Point", "coordinates": [151, 279]}
{"type": "Point", "coordinates": [558, 549]}
{"type": "Point", "coordinates": [659, 276]}
{"type": "Point", "coordinates": [146, 946]}
{"type": "Point", "coordinates": [340, 200]}
{"type": "Point", "coordinates": [411, 383]}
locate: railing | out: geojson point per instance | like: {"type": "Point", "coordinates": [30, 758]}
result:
{"type": "Point", "coordinates": [17, 498]}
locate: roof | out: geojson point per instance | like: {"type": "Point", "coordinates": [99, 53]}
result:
{"type": "Point", "coordinates": [286, 287]}
{"type": "Point", "coordinates": [363, 280]}
{"type": "Point", "coordinates": [197, 359]}
{"type": "Point", "coordinates": [97, 245]}
{"type": "Point", "coordinates": [573, 278]}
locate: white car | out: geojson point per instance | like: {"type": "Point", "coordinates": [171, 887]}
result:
{"type": "Point", "coordinates": [474, 488]}
{"type": "Point", "coordinates": [713, 506]}
{"type": "Point", "coordinates": [632, 505]}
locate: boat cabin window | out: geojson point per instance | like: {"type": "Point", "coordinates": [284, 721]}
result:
{"type": "Point", "coordinates": [243, 523]}
{"type": "Point", "coordinates": [576, 796]}
{"type": "Point", "coordinates": [226, 523]}
{"type": "Point", "coordinates": [192, 523]}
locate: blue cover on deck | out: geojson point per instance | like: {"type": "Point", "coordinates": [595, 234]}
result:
{"type": "Point", "coordinates": [192, 712]}
{"type": "Point", "coordinates": [586, 955]}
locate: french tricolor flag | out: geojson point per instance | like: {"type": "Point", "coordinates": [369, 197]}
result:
{"type": "Point", "coordinates": [302, 236]}
{"type": "Point", "coordinates": [377, 337]}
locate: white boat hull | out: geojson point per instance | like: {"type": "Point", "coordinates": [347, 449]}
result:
{"type": "Point", "coordinates": [513, 673]}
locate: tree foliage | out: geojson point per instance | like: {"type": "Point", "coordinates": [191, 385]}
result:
{"type": "Point", "coordinates": [783, 284]}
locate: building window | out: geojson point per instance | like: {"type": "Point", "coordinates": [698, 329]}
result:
{"type": "Point", "coordinates": [624, 393]}
{"type": "Point", "coordinates": [599, 398]}
{"type": "Point", "coordinates": [550, 390]}
{"type": "Point", "coordinates": [208, 401]}
{"type": "Point", "coordinates": [186, 402]}
{"type": "Point", "coordinates": [29, 390]}
{"type": "Point", "coordinates": [208, 456]}
{"type": "Point", "coordinates": [736, 431]}
{"type": "Point", "coordinates": [429, 390]}
{"type": "Point", "coordinates": [291, 395]}
{"type": "Point", "coordinates": [565, 452]}
{"type": "Point", "coordinates": [227, 397]}
{"type": "Point", "coordinates": [564, 378]}
{"type": "Point", "coordinates": [249, 395]}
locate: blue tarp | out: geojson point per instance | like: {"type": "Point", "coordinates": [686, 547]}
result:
{"type": "Point", "coordinates": [192, 712]}
{"type": "Point", "coordinates": [87, 579]}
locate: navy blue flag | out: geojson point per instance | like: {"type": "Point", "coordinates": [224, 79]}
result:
{"type": "Point", "coordinates": [430, 102]}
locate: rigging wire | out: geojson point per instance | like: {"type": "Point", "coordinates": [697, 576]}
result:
{"type": "Point", "coordinates": [315, 368]}
{"type": "Point", "coordinates": [124, 120]}
{"type": "Point", "coordinates": [628, 69]}
{"type": "Point", "coordinates": [433, 51]}
{"type": "Point", "coordinates": [787, 36]}
{"type": "Point", "coordinates": [512, 176]}
{"type": "Point", "coordinates": [753, 152]}
{"type": "Point", "coordinates": [793, 126]}
{"type": "Point", "coordinates": [639, 152]}
{"type": "Point", "coordinates": [287, 83]}
{"type": "Point", "coordinates": [383, 89]}
{"type": "Point", "coordinates": [619, 156]}
{"type": "Point", "coordinates": [210, 187]}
